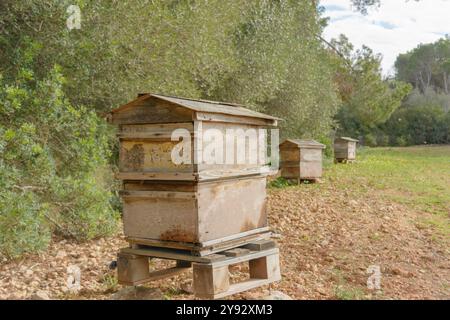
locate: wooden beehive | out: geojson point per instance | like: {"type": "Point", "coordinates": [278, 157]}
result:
{"type": "Point", "coordinates": [199, 202]}
{"type": "Point", "coordinates": [301, 159]}
{"type": "Point", "coordinates": [345, 149]}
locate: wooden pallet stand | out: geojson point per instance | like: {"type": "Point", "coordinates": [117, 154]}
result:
{"type": "Point", "coordinates": [212, 280]}
{"type": "Point", "coordinates": [211, 277]}
{"type": "Point", "coordinates": [205, 248]}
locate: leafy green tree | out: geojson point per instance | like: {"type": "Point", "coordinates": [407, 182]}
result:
{"type": "Point", "coordinates": [266, 54]}
{"type": "Point", "coordinates": [422, 119]}
{"type": "Point", "coordinates": [427, 66]}
{"type": "Point", "coordinates": [368, 99]}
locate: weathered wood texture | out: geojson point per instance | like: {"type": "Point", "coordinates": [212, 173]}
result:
{"type": "Point", "coordinates": [345, 149]}
{"type": "Point", "coordinates": [198, 202]}
{"type": "Point", "coordinates": [196, 249]}
{"type": "Point", "coordinates": [133, 270]}
{"type": "Point", "coordinates": [211, 210]}
{"type": "Point", "coordinates": [212, 281]}
{"type": "Point", "coordinates": [145, 133]}
{"type": "Point", "coordinates": [211, 275]}
{"type": "Point", "coordinates": [242, 149]}
{"type": "Point", "coordinates": [146, 151]}
{"type": "Point", "coordinates": [301, 160]}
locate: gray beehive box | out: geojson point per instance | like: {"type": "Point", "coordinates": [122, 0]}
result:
{"type": "Point", "coordinates": [345, 149]}
{"type": "Point", "coordinates": [191, 203]}
{"type": "Point", "coordinates": [301, 159]}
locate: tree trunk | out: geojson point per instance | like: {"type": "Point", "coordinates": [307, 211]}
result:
{"type": "Point", "coordinates": [446, 78]}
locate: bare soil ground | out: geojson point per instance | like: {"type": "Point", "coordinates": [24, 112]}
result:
{"type": "Point", "coordinates": [329, 235]}
{"type": "Point", "coordinates": [328, 241]}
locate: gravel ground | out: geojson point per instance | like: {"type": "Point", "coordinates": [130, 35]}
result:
{"type": "Point", "coordinates": [328, 240]}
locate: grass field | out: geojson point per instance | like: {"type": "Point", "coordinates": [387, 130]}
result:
{"type": "Point", "coordinates": [390, 209]}
{"type": "Point", "coordinates": [416, 176]}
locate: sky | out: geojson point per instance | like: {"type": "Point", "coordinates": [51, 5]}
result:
{"type": "Point", "coordinates": [396, 27]}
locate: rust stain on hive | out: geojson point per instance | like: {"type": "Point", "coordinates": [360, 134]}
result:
{"type": "Point", "coordinates": [178, 234]}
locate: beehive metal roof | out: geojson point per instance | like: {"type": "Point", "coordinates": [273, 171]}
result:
{"type": "Point", "coordinates": [347, 139]}
{"type": "Point", "coordinates": [305, 143]}
{"type": "Point", "coordinates": [202, 106]}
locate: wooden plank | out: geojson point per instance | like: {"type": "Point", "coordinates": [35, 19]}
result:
{"type": "Point", "coordinates": [241, 203]}
{"type": "Point", "coordinates": [172, 186]}
{"type": "Point", "coordinates": [152, 111]}
{"type": "Point", "coordinates": [209, 281]}
{"type": "Point", "coordinates": [217, 117]}
{"type": "Point", "coordinates": [131, 268]}
{"type": "Point", "coordinates": [172, 255]}
{"type": "Point", "coordinates": [163, 244]}
{"type": "Point", "coordinates": [236, 252]}
{"type": "Point", "coordinates": [156, 194]}
{"type": "Point", "coordinates": [261, 245]}
{"type": "Point", "coordinates": [151, 156]}
{"type": "Point", "coordinates": [199, 249]}
{"type": "Point", "coordinates": [144, 136]}
{"type": "Point", "coordinates": [247, 257]}
{"type": "Point", "coordinates": [152, 129]}
{"type": "Point", "coordinates": [221, 175]}
{"type": "Point", "coordinates": [183, 176]}
{"type": "Point", "coordinates": [265, 267]}
{"type": "Point", "coordinates": [163, 218]}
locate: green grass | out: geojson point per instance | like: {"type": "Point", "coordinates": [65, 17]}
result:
{"type": "Point", "coordinates": [418, 177]}
{"type": "Point", "coordinates": [344, 290]}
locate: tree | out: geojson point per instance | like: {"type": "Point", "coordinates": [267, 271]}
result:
{"type": "Point", "coordinates": [426, 66]}
{"type": "Point", "coordinates": [368, 98]}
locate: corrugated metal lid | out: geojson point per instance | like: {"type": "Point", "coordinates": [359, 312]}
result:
{"type": "Point", "coordinates": [306, 143]}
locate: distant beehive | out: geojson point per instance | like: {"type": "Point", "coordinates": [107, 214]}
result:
{"type": "Point", "coordinates": [345, 149]}
{"type": "Point", "coordinates": [197, 202]}
{"type": "Point", "coordinates": [301, 159]}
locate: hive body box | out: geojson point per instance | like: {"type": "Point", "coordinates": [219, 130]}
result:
{"type": "Point", "coordinates": [301, 159]}
{"type": "Point", "coordinates": [196, 202]}
{"type": "Point", "coordinates": [345, 149]}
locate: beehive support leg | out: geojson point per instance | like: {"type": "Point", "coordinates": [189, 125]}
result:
{"type": "Point", "coordinates": [132, 269]}
{"type": "Point", "coordinates": [265, 268]}
{"type": "Point", "coordinates": [210, 280]}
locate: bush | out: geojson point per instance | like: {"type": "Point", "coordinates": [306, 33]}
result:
{"type": "Point", "coordinates": [84, 208]}
{"type": "Point", "coordinates": [370, 140]}
{"type": "Point", "coordinates": [23, 226]}
{"type": "Point", "coordinates": [53, 164]}
{"type": "Point", "coordinates": [416, 125]}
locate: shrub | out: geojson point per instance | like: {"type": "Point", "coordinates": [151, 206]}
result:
{"type": "Point", "coordinates": [370, 140]}
{"type": "Point", "coordinates": [84, 208]}
{"type": "Point", "coordinates": [53, 164]}
{"type": "Point", "coordinates": [23, 227]}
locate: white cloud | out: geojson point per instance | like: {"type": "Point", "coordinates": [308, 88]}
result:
{"type": "Point", "coordinates": [397, 27]}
